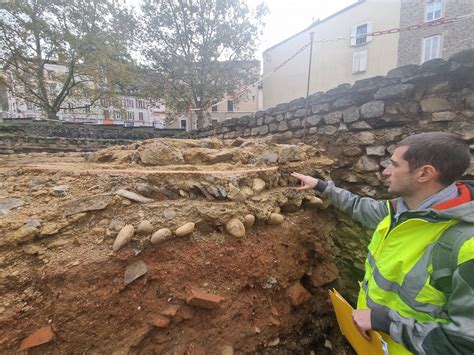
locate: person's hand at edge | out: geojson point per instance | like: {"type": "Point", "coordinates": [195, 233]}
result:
{"type": "Point", "coordinates": [362, 321]}
{"type": "Point", "coordinates": [307, 182]}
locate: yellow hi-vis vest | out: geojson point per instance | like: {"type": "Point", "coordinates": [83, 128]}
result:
{"type": "Point", "coordinates": [398, 269]}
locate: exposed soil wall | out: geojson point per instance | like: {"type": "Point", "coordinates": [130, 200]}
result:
{"type": "Point", "coordinates": [167, 247]}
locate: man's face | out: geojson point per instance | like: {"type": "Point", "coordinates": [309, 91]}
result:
{"type": "Point", "coordinates": [400, 180]}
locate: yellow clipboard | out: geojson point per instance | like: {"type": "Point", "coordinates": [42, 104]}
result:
{"type": "Point", "coordinates": [343, 310]}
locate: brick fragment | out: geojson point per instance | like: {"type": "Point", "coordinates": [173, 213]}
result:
{"type": "Point", "coordinates": [170, 311]}
{"type": "Point", "coordinates": [298, 294]}
{"type": "Point", "coordinates": [198, 298]}
{"type": "Point", "coordinates": [41, 336]}
{"type": "Point", "coordinates": [324, 274]}
{"type": "Point", "coordinates": [161, 322]}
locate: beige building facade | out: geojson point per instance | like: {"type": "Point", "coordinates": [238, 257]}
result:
{"type": "Point", "coordinates": [440, 41]}
{"type": "Point", "coordinates": [353, 57]}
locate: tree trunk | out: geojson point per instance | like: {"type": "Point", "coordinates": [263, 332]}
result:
{"type": "Point", "coordinates": [52, 115]}
{"type": "Point", "coordinates": [200, 119]}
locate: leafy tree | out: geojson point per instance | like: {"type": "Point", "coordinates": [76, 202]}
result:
{"type": "Point", "coordinates": [199, 50]}
{"type": "Point", "coordinates": [86, 39]}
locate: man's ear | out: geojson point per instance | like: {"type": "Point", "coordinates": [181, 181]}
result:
{"type": "Point", "coordinates": [427, 173]}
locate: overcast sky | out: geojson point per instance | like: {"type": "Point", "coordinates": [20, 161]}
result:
{"type": "Point", "coordinates": [288, 17]}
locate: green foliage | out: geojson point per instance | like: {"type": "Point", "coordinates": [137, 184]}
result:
{"type": "Point", "coordinates": [87, 38]}
{"type": "Point", "coordinates": [199, 50]}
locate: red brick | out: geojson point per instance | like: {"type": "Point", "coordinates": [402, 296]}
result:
{"type": "Point", "coordinates": [161, 322]}
{"type": "Point", "coordinates": [324, 274]}
{"type": "Point", "coordinates": [184, 313]}
{"type": "Point", "coordinates": [274, 321]}
{"type": "Point", "coordinates": [298, 294]}
{"type": "Point", "coordinates": [41, 336]}
{"type": "Point", "coordinates": [198, 298]}
{"type": "Point", "coordinates": [170, 311]}
{"type": "Point", "coordinates": [275, 311]}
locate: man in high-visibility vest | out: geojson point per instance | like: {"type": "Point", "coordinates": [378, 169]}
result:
{"type": "Point", "coordinates": [418, 288]}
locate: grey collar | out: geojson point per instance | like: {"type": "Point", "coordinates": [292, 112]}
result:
{"type": "Point", "coordinates": [448, 193]}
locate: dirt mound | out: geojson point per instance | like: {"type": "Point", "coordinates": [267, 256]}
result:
{"type": "Point", "coordinates": [165, 246]}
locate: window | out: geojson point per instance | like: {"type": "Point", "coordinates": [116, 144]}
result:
{"type": "Point", "coordinates": [253, 97]}
{"type": "Point", "coordinates": [87, 109]}
{"type": "Point", "coordinates": [140, 116]}
{"type": "Point", "coordinates": [359, 33]}
{"type": "Point", "coordinates": [117, 115]}
{"type": "Point", "coordinates": [434, 10]}
{"type": "Point", "coordinates": [230, 105]}
{"type": "Point", "coordinates": [431, 48]}
{"type": "Point", "coordinates": [184, 124]}
{"type": "Point", "coordinates": [30, 105]}
{"type": "Point", "coordinates": [140, 104]}
{"type": "Point", "coordinates": [106, 114]}
{"type": "Point", "coordinates": [130, 115]}
{"type": "Point", "coordinates": [214, 108]}
{"type": "Point", "coordinates": [104, 102]}
{"type": "Point", "coordinates": [359, 62]}
{"type": "Point", "coordinates": [70, 107]}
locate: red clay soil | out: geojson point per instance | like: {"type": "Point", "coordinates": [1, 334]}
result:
{"type": "Point", "coordinates": [72, 281]}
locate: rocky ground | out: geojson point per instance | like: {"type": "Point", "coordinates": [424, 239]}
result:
{"type": "Point", "coordinates": [166, 247]}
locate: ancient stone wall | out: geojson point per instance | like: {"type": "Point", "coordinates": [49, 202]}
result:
{"type": "Point", "coordinates": [28, 135]}
{"type": "Point", "coordinates": [358, 125]}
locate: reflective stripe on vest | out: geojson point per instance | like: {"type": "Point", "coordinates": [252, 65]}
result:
{"type": "Point", "coordinates": [398, 269]}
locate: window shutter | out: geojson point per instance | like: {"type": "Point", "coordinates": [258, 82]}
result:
{"type": "Point", "coordinates": [355, 62]}
{"type": "Point", "coordinates": [363, 61]}
{"type": "Point", "coordinates": [369, 30]}
{"type": "Point", "coordinates": [353, 35]}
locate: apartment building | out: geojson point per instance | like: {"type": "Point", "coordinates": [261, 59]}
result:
{"type": "Point", "coordinates": [430, 42]}
{"type": "Point", "coordinates": [126, 108]}
{"type": "Point", "coordinates": [348, 55]}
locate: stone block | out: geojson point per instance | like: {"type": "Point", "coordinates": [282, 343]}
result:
{"type": "Point", "coordinates": [202, 299]}
{"type": "Point", "coordinates": [342, 127]}
{"type": "Point", "coordinates": [378, 150]}
{"type": "Point", "coordinates": [435, 104]}
{"type": "Point", "coordinates": [351, 151]}
{"type": "Point", "coordinates": [394, 91]}
{"type": "Point", "coordinates": [363, 138]}
{"type": "Point", "coordinates": [320, 108]}
{"type": "Point", "coordinates": [255, 131]}
{"type": "Point", "coordinates": [298, 294]}
{"type": "Point", "coordinates": [392, 134]}
{"type": "Point", "coordinates": [361, 125]}
{"type": "Point", "coordinates": [327, 130]}
{"type": "Point", "coordinates": [273, 127]}
{"type": "Point", "coordinates": [439, 87]}
{"type": "Point", "coordinates": [313, 120]}
{"type": "Point", "coordinates": [365, 164]}
{"type": "Point", "coordinates": [466, 56]}
{"type": "Point", "coordinates": [343, 102]}
{"type": "Point", "coordinates": [313, 130]}
{"type": "Point", "coordinates": [289, 115]}
{"type": "Point", "coordinates": [283, 126]}
{"type": "Point", "coordinates": [300, 113]}
{"type": "Point", "coordinates": [263, 130]}
{"type": "Point", "coordinates": [294, 124]}
{"type": "Point", "coordinates": [372, 109]}
{"type": "Point", "coordinates": [269, 119]}
{"type": "Point", "coordinates": [403, 71]}
{"type": "Point", "coordinates": [443, 116]}
{"type": "Point", "coordinates": [350, 115]}
{"type": "Point", "coordinates": [470, 101]}
{"type": "Point", "coordinates": [280, 117]}
{"type": "Point", "coordinates": [333, 117]}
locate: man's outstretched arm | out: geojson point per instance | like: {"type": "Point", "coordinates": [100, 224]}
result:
{"type": "Point", "coordinates": [364, 210]}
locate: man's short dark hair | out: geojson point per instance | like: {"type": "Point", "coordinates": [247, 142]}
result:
{"type": "Point", "coordinates": [446, 152]}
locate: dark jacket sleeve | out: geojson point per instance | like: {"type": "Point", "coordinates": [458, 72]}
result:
{"type": "Point", "coordinates": [365, 210]}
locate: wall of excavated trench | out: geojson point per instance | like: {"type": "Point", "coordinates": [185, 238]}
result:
{"type": "Point", "coordinates": [358, 126]}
